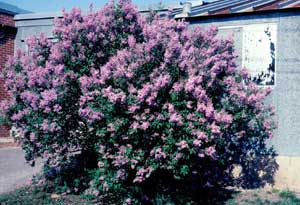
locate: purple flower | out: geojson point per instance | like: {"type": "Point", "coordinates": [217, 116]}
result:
{"type": "Point", "coordinates": [182, 145]}
{"type": "Point", "coordinates": [48, 96]}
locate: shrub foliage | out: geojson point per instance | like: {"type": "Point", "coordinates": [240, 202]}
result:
{"type": "Point", "coordinates": [134, 109]}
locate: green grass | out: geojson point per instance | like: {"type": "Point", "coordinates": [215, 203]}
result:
{"type": "Point", "coordinates": [35, 196]}
{"type": "Point", "coordinates": [284, 197]}
{"type": "Point", "coordinates": [289, 198]}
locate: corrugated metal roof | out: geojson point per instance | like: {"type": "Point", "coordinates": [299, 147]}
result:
{"type": "Point", "coordinates": [239, 6]}
{"type": "Point", "coordinates": [219, 5]}
{"type": "Point", "coordinates": [289, 4]}
{"type": "Point", "coordinates": [11, 9]}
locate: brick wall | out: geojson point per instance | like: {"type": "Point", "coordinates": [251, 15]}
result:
{"type": "Point", "coordinates": [7, 20]}
{"type": "Point", "coordinates": [6, 49]}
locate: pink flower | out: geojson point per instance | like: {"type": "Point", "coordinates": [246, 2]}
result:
{"type": "Point", "coordinates": [161, 81]}
{"type": "Point", "coordinates": [48, 96]}
{"type": "Point", "coordinates": [190, 116]}
{"type": "Point", "coordinates": [57, 108]}
{"type": "Point", "coordinates": [178, 156]}
{"type": "Point", "coordinates": [182, 145]}
{"type": "Point", "coordinates": [176, 118]}
{"type": "Point", "coordinates": [31, 99]}
{"type": "Point", "coordinates": [244, 73]}
{"type": "Point", "coordinates": [209, 111]}
{"type": "Point", "coordinates": [131, 41]}
{"type": "Point", "coordinates": [215, 129]}
{"type": "Point", "coordinates": [95, 192]}
{"type": "Point", "coordinates": [90, 115]}
{"type": "Point", "coordinates": [19, 115]}
{"type": "Point", "coordinates": [223, 117]}
{"type": "Point", "coordinates": [159, 154]}
{"type": "Point", "coordinates": [121, 175]}
{"type": "Point", "coordinates": [145, 125]}
{"type": "Point", "coordinates": [133, 108]}
{"type": "Point", "coordinates": [270, 134]}
{"type": "Point", "coordinates": [201, 155]}
{"type": "Point", "coordinates": [128, 201]}
{"type": "Point", "coordinates": [32, 137]}
{"type": "Point", "coordinates": [115, 96]}
{"type": "Point", "coordinates": [105, 187]}
{"type": "Point", "coordinates": [197, 143]}
{"type": "Point", "coordinates": [189, 105]}
{"type": "Point", "coordinates": [177, 87]}
{"type": "Point", "coordinates": [101, 164]}
{"type": "Point", "coordinates": [142, 174]}
{"type": "Point", "coordinates": [135, 125]}
{"type": "Point", "coordinates": [210, 151]}
{"type": "Point", "coordinates": [45, 125]}
{"type": "Point", "coordinates": [201, 135]}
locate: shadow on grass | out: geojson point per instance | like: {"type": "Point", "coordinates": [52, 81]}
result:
{"type": "Point", "coordinates": [36, 196]}
{"type": "Point", "coordinates": [215, 196]}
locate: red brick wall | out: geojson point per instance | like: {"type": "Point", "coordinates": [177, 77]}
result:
{"type": "Point", "coordinates": [6, 49]}
{"type": "Point", "coordinates": [7, 20]}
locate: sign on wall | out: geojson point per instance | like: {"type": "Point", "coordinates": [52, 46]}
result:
{"type": "Point", "coordinates": [259, 52]}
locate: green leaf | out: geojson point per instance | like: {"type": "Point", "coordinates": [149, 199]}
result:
{"type": "Point", "coordinates": [184, 170]}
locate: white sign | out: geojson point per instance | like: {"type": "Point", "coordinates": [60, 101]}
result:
{"type": "Point", "coordinates": [259, 52]}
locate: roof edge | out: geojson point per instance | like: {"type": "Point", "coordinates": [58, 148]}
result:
{"type": "Point", "coordinates": [46, 15]}
{"type": "Point", "coordinates": [10, 9]}
{"type": "Point", "coordinates": [39, 15]}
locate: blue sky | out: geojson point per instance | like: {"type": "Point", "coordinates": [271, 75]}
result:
{"type": "Point", "coordinates": [57, 5]}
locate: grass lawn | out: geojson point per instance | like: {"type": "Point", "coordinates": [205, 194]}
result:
{"type": "Point", "coordinates": [35, 196]}
{"type": "Point", "coordinates": [263, 197]}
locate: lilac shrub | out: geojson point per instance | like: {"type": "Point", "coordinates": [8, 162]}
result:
{"type": "Point", "coordinates": [136, 110]}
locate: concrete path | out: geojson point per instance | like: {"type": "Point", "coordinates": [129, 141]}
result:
{"type": "Point", "coordinates": [14, 171]}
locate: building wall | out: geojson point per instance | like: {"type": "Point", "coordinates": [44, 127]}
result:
{"type": "Point", "coordinates": [33, 24]}
{"type": "Point", "coordinates": [6, 48]}
{"type": "Point", "coordinates": [286, 91]}
{"type": "Point", "coordinates": [7, 20]}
